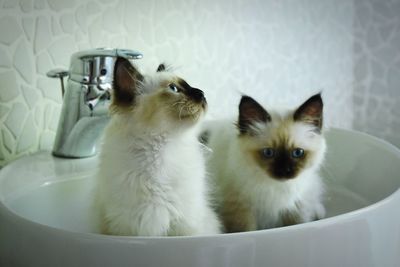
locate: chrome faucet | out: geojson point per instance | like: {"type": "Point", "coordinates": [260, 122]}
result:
{"type": "Point", "coordinates": [85, 100]}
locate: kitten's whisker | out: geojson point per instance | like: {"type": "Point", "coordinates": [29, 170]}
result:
{"type": "Point", "coordinates": [130, 74]}
{"type": "Point", "coordinates": [177, 103]}
{"type": "Point", "coordinates": [180, 112]}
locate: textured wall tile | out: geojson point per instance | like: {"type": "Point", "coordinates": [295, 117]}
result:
{"type": "Point", "coordinates": [378, 69]}
{"type": "Point", "coordinates": [393, 82]}
{"type": "Point", "coordinates": [26, 5]}
{"type": "Point", "coordinates": [385, 53]}
{"type": "Point", "coordinates": [131, 11]}
{"type": "Point", "coordinates": [39, 4]}
{"type": "Point", "coordinates": [55, 27]}
{"type": "Point", "coordinates": [67, 23]}
{"type": "Point", "coordinates": [28, 24]}
{"type": "Point", "coordinates": [43, 34]}
{"type": "Point", "coordinates": [8, 86]}
{"type": "Point", "coordinates": [93, 7]}
{"type": "Point", "coordinates": [59, 5]}
{"type": "Point", "coordinates": [53, 120]}
{"type": "Point", "coordinates": [23, 61]}
{"type": "Point", "coordinates": [61, 50]}
{"type": "Point", "coordinates": [96, 34]}
{"type": "Point", "coordinates": [28, 137]}
{"type": "Point", "coordinates": [31, 96]}
{"type": "Point", "coordinates": [46, 140]}
{"type": "Point", "coordinates": [38, 115]}
{"type": "Point", "coordinates": [2, 156]}
{"type": "Point", "coordinates": [50, 88]}
{"type": "Point", "coordinates": [4, 58]}
{"type": "Point", "coordinates": [17, 115]}
{"type": "Point", "coordinates": [376, 91]}
{"type": "Point", "coordinates": [386, 30]}
{"type": "Point", "coordinates": [81, 18]}
{"type": "Point", "coordinates": [8, 141]}
{"type": "Point", "coordinates": [109, 20]}
{"type": "Point", "coordinates": [47, 116]}
{"type": "Point", "coordinates": [9, 29]}
{"type": "Point", "coordinates": [3, 111]}
{"type": "Point", "coordinates": [10, 3]}
{"type": "Point", "coordinates": [361, 69]}
{"type": "Point", "coordinates": [43, 63]}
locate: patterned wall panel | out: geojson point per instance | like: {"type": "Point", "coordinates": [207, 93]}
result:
{"type": "Point", "coordinates": [279, 52]}
{"type": "Point", "coordinates": [377, 68]}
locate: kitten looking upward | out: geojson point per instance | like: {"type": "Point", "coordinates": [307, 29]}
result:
{"type": "Point", "coordinates": [265, 168]}
{"type": "Point", "coordinates": [151, 177]}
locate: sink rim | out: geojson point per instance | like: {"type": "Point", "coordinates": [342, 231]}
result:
{"type": "Point", "coordinates": [95, 236]}
{"type": "Point", "coordinates": [4, 210]}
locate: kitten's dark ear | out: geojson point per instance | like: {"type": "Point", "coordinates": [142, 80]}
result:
{"type": "Point", "coordinates": [311, 111]}
{"type": "Point", "coordinates": [161, 67]}
{"type": "Point", "coordinates": [126, 81]}
{"type": "Point", "coordinates": [250, 112]}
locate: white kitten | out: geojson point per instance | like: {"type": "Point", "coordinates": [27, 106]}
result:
{"type": "Point", "coordinates": [151, 178]}
{"type": "Point", "coordinates": [265, 168]}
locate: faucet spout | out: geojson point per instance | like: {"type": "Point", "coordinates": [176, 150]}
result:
{"type": "Point", "coordinates": [81, 122]}
{"type": "Point", "coordinates": [86, 100]}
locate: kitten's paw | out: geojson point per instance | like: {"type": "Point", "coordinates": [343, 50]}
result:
{"type": "Point", "coordinates": [313, 213]}
{"type": "Point", "coordinates": [320, 212]}
{"type": "Point", "coordinates": [212, 224]}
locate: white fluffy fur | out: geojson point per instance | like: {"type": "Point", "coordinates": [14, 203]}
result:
{"type": "Point", "coordinates": [151, 180]}
{"type": "Point", "coordinates": [268, 197]}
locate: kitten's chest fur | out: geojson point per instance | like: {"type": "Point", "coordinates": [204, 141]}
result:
{"type": "Point", "coordinates": [135, 168]}
{"type": "Point", "coordinates": [152, 167]}
{"type": "Point", "coordinates": [269, 200]}
{"type": "Point", "coordinates": [146, 156]}
{"type": "Point", "coordinates": [144, 174]}
{"type": "Point", "coordinates": [142, 161]}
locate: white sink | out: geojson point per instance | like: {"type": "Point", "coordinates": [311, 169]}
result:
{"type": "Point", "coordinates": [46, 219]}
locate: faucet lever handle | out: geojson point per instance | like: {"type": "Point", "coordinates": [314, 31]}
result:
{"type": "Point", "coordinates": [58, 73]}
{"type": "Point", "coordinates": [129, 54]}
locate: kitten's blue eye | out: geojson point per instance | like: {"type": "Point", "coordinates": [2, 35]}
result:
{"type": "Point", "coordinates": [173, 87]}
{"type": "Point", "coordinates": [268, 152]}
{"type": "Point", "coordinates": [297, 153]}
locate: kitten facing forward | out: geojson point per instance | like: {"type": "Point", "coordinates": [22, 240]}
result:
{"type": "Point", "coordinates": [265, 167]}
{"type": "Point", "coordinates": [151, 177]}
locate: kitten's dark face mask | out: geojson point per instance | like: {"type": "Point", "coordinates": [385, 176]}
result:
{"type": "Point", "coordinates": [283, 162]}
{"type": "Point", "coordinates": [194, 94]}
{"type": "Point", "coordinates": [279, 158]}
{"type": "Point", "coordinates": [188, 93]}
{"type": "Point", "coordinates": [184, 102]}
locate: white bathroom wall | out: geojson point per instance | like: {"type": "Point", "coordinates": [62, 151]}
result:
{"type": "Point", "coordinates": [279, 52]}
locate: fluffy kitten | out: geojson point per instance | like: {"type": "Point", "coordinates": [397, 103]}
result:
{"type": "Point", "coordinates": [266, 167]}
{"type": "Point", "coordinates": [151, 178]}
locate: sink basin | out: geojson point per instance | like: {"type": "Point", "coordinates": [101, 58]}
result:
{"type": "Point", "coordinates": [46, 218]}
